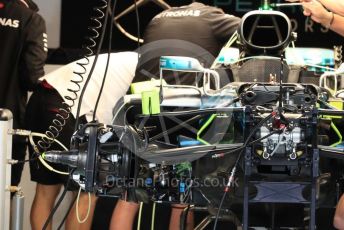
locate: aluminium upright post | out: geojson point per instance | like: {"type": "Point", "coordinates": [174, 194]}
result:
{"type": "Point", "coordinates": [6, 123]}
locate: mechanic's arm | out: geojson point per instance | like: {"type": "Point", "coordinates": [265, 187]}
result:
{"type": "Point", "coordinates": [338, 221]}
{"type": "Point", "coordinates": [337, 24]}
{"type": "Point", "coordinates": [335, 6]}
{"type": "Point", "coordinates": [34, 52]}
{"type": "Point", "coordinates": [223, 25]}
{"type": "Point", "coordinates": [328, 19]}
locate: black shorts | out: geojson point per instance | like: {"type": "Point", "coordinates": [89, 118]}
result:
{"type": "Point", "coordinates": [18, 153]}
{"type": "Point", "coordinates": [41, 110]}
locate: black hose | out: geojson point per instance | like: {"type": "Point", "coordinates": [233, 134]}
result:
{"type": "Point", "coordinates": [67, 213]}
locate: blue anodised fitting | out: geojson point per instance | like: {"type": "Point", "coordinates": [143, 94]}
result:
{"type": "Point", "coordinates": [148, 181]}
{"type": "Point", "coordinates": [181, 187]}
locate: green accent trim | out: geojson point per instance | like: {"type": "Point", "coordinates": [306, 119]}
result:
{"type": "Point", "coordinates": [150, 102]}
{"type": "Point", "coordinates": [335, 129]}
{"type": "Point", "coordinates": [206, 124]}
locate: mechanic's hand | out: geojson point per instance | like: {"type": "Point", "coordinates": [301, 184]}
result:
{"type": "Point", "coordinates": [317, 12]}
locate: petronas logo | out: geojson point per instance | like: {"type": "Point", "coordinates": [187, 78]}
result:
{"type": "Point", "coordinates": [9, 22]}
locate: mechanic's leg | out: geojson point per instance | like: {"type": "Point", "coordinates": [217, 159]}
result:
{"type": "Point", "coordinates": [176, 211]}
{"type": "Point", "coordinates": [124, 215]}
{"type": "Point", "coordinates": [42, 205]}
{"type": "Point", "coordinates": [72, 223]}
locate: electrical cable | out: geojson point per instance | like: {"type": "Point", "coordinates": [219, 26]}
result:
{"type": "Point", "coordinates": [105, 6]}
{"type": "Point", "coordinates": [320, 66]}
{"type": "Point", "coordinates": [58, 203]}
{"type": "Point", "coordinates": [28, 133]}
{"type": "Point", "coordinates": [139, 216]}
{"type": "Point", "coordinates": [107, 61]}
{"type": "Point", "coordinates": [34, 134]}
{"type": "Point", "coordinates": [280, 104]}
{"type": "Point", "coordinates": [67, 213]}
{"type": "Point", "coordinates": [55, 127]}
{"type": "Point", "coordinates": [232, 39]}
{"type": "Point", "coordinates": [184, 217]}
{"type": "Point", "coordinates": [25, 161]}
{"type": "Point", "coordinates": [218, 211]}
{"type": "Point", "coordinates": [77, 208]}
{"type": "Point", "coordinates": [125, 115]}
{"type": "Point", "coordinates": [153, 216]}
{"type": "Point", "coordinates": [188, 189]}
{"type": "Point", "coordinates": [136, 163]}
{"type": "Point", "coordinates": [137, 25]}
{"type": "Point", "coordinates": [41, 156]}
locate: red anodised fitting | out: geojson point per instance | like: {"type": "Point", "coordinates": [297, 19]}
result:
{"type": "Point", "coordinates": [215, 156]}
